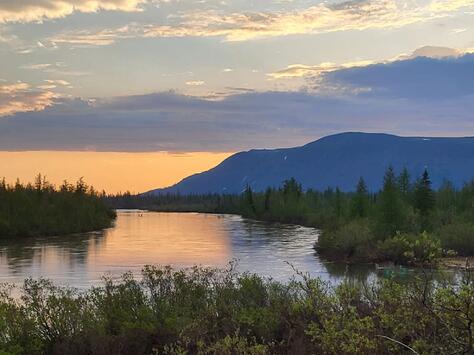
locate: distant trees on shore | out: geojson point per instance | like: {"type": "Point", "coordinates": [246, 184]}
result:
{"type": "Point", "coordinates": [41, 209]}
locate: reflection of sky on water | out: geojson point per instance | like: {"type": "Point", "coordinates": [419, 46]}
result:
{"type": "Point", "coordinates": [174, 239]}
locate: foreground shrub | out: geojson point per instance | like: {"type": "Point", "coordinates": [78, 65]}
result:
{"type": "Point", "coordinates": [205, 311]}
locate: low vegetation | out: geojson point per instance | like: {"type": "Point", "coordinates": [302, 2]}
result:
{"type": "Point", "coordinates": [43, 210]}
{"type": "Point", "coordinates": [206, 311]}
{"type": "Point", "coordinates": [406, 222]}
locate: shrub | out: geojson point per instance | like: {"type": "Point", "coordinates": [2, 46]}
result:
{"type": "Point", "coordinates": [204, 311]}
{"type": "Point", "coordinates": [458, 237]}
{"type": "Point", "coordinates": [353, 241]}
{"type": "Point", "coordinates": [411, 249]}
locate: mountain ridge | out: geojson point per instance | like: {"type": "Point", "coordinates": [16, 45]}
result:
{"type": "Point", "coordinates": [336, 161]}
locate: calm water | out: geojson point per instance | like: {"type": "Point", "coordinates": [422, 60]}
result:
{"type": "Point", "coordinates": [178, 239]}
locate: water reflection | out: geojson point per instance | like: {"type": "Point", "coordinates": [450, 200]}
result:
{"type": "Point", "coordinates": [178, 239]}
{"type": "Point", "coordinates": [136, 239]}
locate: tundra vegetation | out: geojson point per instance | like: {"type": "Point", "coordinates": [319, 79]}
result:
{"type": "Point", "coordinates": [208, 311]}
{"type": "Point", "coordinates": [407, 221]}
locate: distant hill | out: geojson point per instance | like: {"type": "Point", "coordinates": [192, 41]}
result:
{"type": "Point", "coordinates": [337, 161]}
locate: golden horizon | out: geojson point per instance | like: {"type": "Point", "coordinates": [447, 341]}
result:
{"type": "Point", "coordinates": [113, 172]}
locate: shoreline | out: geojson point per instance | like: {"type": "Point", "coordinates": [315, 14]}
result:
{"type": "Point", "coordinates": [447, 263]}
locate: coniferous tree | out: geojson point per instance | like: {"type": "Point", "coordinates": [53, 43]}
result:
{"type": "Point", "coordinates": [360, 201]}
{"type": "Point", "coordinates": [292, 188]}
{"type": "Point", "coordinates": [268, 193]}
{"type": "Point", "coordinates": [404, 182]}
{"type": "Point", "coordinates": [248, 200]}
{"type": "Point", "coordinates": [391, 214]}
{"type": "Point", "coordinates": [338, 202]}
{"type": "Point", "coordinates": [424, 198]}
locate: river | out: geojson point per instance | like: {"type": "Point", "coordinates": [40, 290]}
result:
{"type": "Point", "coordinates": [178, 239]}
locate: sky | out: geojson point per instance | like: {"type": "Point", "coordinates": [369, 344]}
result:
{"type": "Point", "coordinates": [138, 94]}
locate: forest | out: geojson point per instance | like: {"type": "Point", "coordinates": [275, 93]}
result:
{"type": "Point", "coordinates": [407, 221]}
{"type": "Point", "coordinates": [41, 209]}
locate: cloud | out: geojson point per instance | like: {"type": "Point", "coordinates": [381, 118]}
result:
{"type": "Point", "coordinates": [322, 18]}
{"type": "Point", "coordinates": [39, 10]}
{"type": "Point", "coordinates": [243, 26]}
{"type": "Point", "coordinates": [420, 78]}
{"type": "Point", "coordinates": [437, 52]}
{"type": "Point", "coordinates": [100, 38]}
{"type": "Point", "coordinates": [36, 66]}
{"type": "Point", "coordinates": [58, 82]}
{"type": "Point", "coordinates": [195, 83]}
{"type": "Point", "coordinates": [419, 96]}
{"type": "Point", "coordinates": [303, 70]}
{"type": "Point", "coordinates": [19, 97]}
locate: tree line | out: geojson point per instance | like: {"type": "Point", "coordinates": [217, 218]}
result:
{"type": "Point", "coordinates": [407, 221]}
{"type": "Point", "coordinates": [41, 209]}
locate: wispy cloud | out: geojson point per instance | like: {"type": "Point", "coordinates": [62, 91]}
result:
{"type": "Point", "coordinates": [303, 70]}
{"type": "Point", "coordinates": [100, 38]}
{"type": "Point", "coordinates": [322, 18]}
{"type": "Point", "coordinates": [242, 26]}
{"type": "Point", "coordinates": [20, 97]}
{"type": "Point", "coordinates": [58, 82]}
{"type": "Point", "coordinates": [40, 66]}
{"type": "Point", "coordinates": [33, 10]}
{"type": "Point", "coordinates": [195, 83]}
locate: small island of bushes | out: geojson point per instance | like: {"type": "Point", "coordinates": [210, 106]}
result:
{"type": "Point", "coordinates": [406, 222]}
{"type": "Point", "coordinates": [41, 209]}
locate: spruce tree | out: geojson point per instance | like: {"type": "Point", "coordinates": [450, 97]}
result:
{"type": "Point", "coordinates": [338, 202]}
{"type": "Point", "coordinates": [268, 193]}
{"type": "Point", "coordinates": [404, 182]}
{"type": "Point", "coordinates": [424, 195]}
{"type": "Point", "coordinates": [360, 200]}
{"type": "Point", "coordinates": [248, 200]}
{"type": "Point", "coordinates": [391, 214]}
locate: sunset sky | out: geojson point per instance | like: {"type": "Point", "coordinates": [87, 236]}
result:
{"type": "Point", "coordinates": [137, 94]}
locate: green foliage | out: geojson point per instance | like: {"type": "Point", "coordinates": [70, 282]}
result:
{"type": "Point", "coordinates": [42, 210]}
{"type": "Point", "coordinates": [411, 249]}
{"type": "Point", "coordinates": [207, 311]}
{"type": "Point", "coordinates": [458, 237]}
{"type": "Point", "coordinates": [353, 240]}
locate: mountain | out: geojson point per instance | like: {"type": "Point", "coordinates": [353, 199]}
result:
{"type": "Point", "coordinates": [337, 161]}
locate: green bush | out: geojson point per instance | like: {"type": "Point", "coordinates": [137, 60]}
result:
{"type": "Point", "coordinates": [458, 237]}
{"type": "Point", "coordinates": [411, 249]}
{"type": "Point", "coordinates": [353, 241]}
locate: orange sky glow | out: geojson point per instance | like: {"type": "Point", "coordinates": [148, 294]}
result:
{"type": "Point", "coordinates": [110, 171]}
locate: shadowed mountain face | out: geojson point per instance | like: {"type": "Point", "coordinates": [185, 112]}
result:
{"type": "Point", "coordinates": [337, 161]}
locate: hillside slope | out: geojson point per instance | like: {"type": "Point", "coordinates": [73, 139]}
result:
{"type": "Point", "coordinates": [337, 161]}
